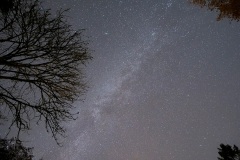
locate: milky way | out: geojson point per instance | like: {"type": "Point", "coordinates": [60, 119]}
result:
{"type": "Point", "coordinates": [164, 83]}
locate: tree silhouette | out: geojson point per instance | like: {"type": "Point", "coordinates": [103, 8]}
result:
{"type": "Point", "coordinates": [227, 8]}
{"type": "Point", "coordinates": [228, 152]}
{"type": "Point", "coordinates": [41, 62]}
{"type": "Point", "coordinates": [14, 150]}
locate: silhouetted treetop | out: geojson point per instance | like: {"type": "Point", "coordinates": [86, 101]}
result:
{"type": "Point", "coordinates": [228, 152]}
{"type": "Point", "coordinates": [226, 8]}
{"type": "Point", "coordinates": [12, 149]}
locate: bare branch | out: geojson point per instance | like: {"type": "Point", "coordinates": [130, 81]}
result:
{"type": "Point", "coordinates": [40, 57]}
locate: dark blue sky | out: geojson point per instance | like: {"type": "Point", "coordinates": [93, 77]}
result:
{"type": "Point", "coordinates": [164, 83]}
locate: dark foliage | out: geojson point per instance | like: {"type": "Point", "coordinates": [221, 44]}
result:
{"type": "Point", "coordinates": [228, 152]}
{"type": "Point", "coordinates": [12, 149]}
{"type": "Point", "coordinates": [41, 60]}
{"type": "Point", "coordinates": [6, 6]}
{"type": "Point", "coordinates": [226, 8]}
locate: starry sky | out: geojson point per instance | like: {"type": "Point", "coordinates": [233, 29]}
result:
{"type": "Point", "coordinates": [164, 83]}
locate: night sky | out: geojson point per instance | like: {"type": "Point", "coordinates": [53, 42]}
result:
{"type": "Point", "coordinates": [164, 83]}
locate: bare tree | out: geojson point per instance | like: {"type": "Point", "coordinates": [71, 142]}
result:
{"type": "Point", "coordinates": [41, 62]}
{"type": "Point", "coordinates": [226, 8]}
